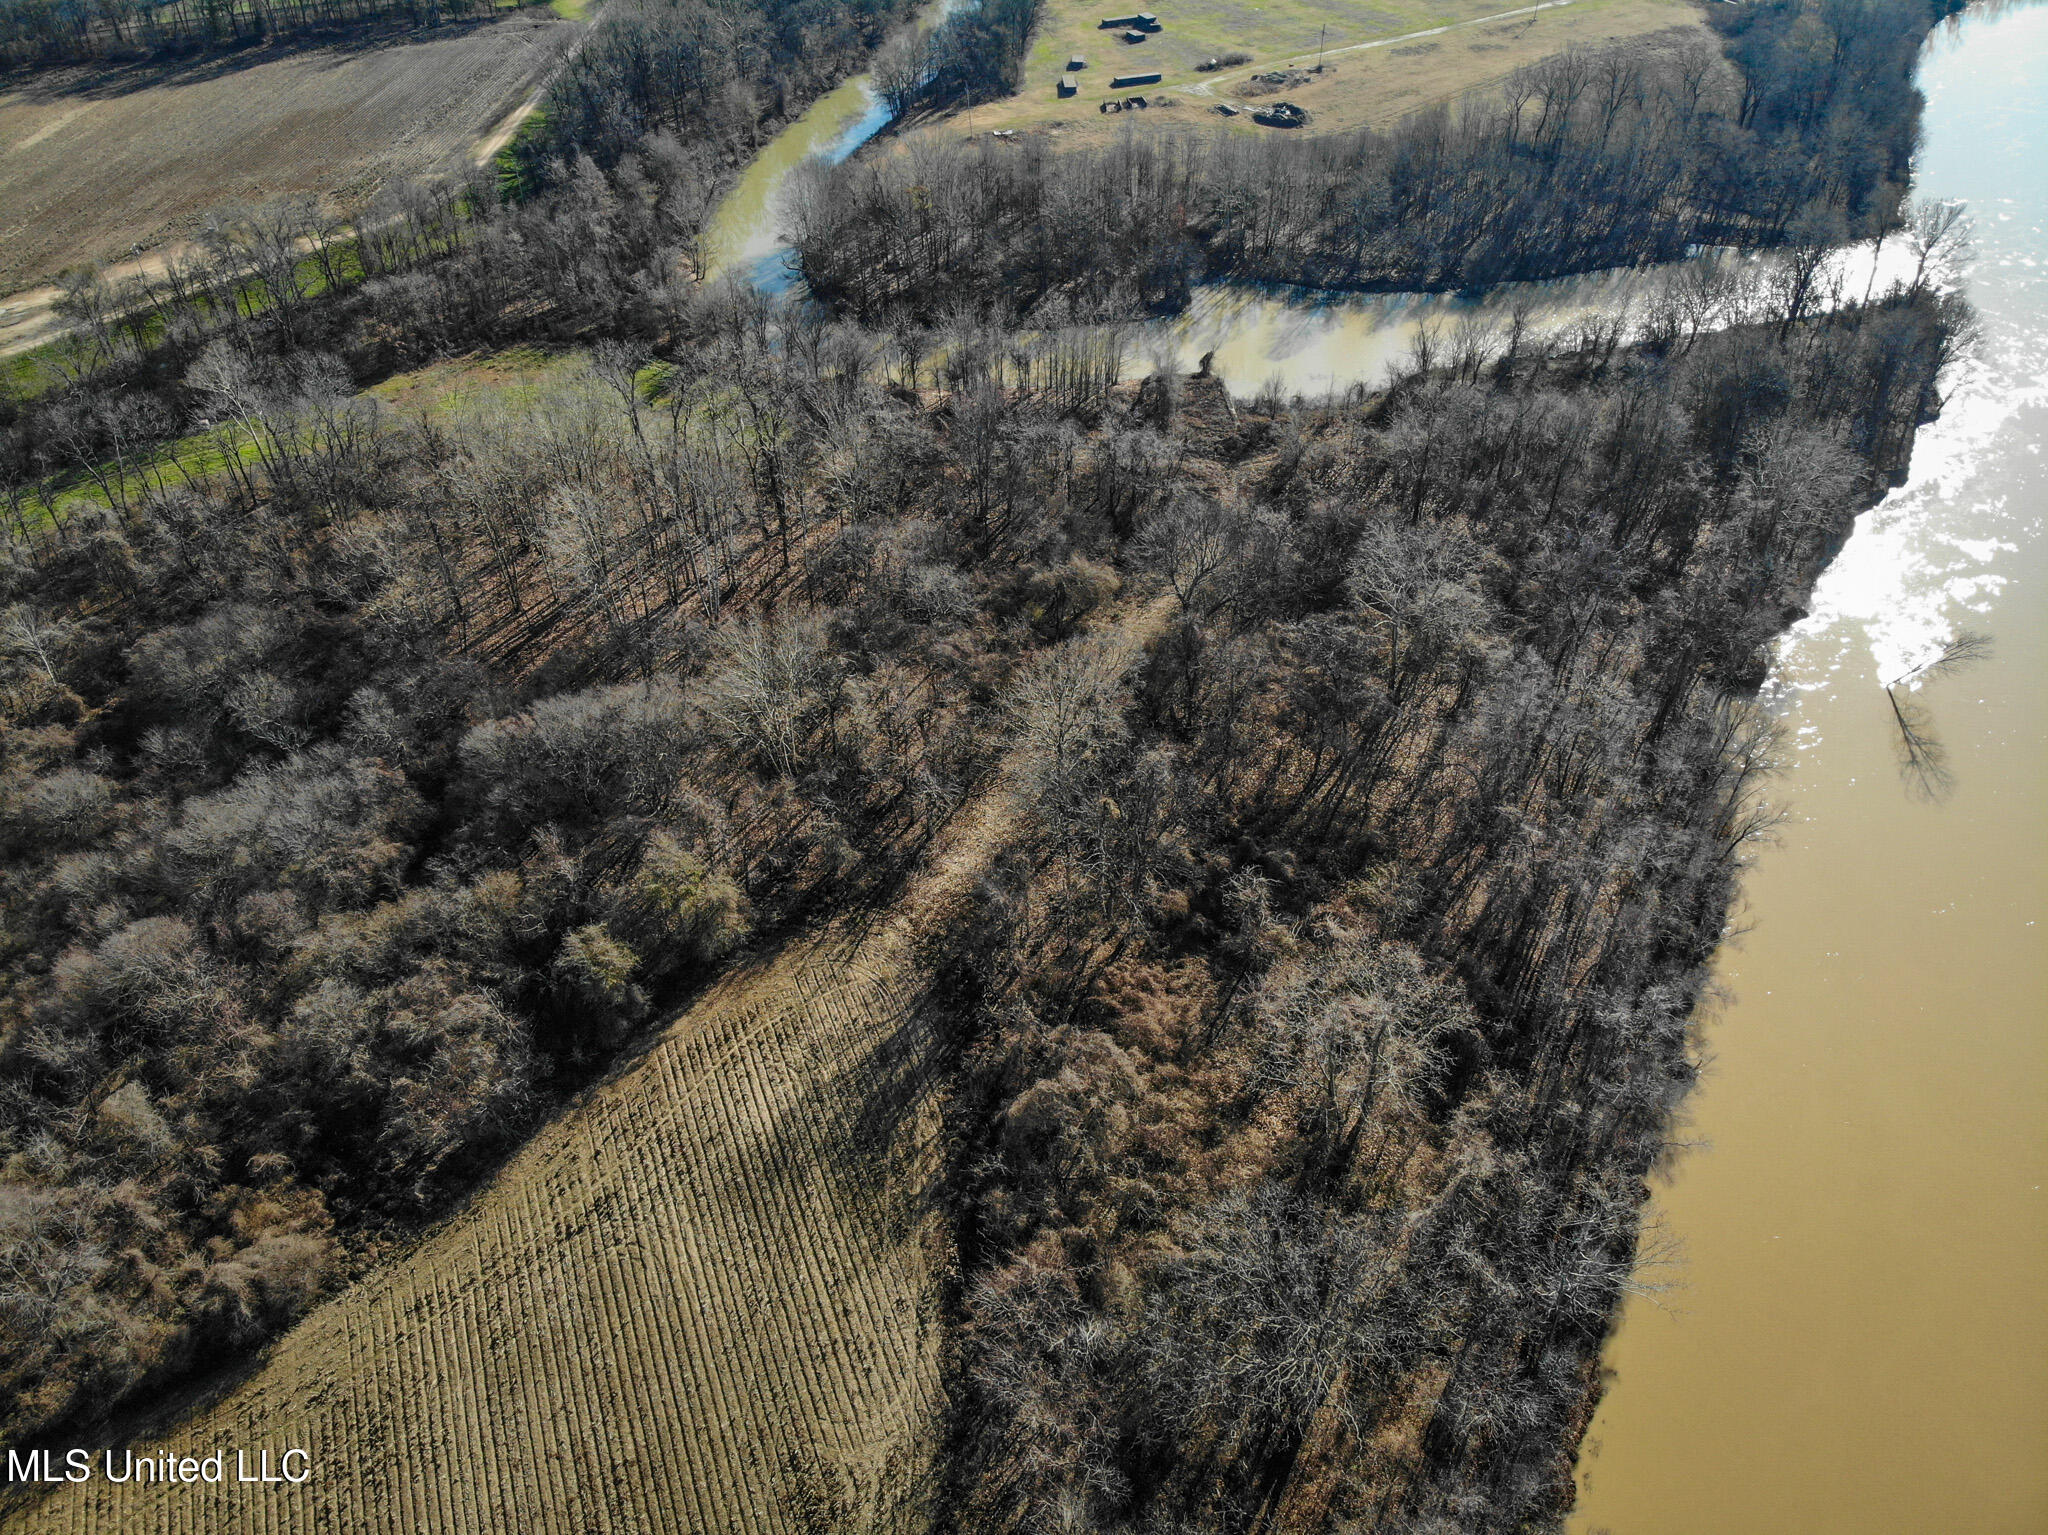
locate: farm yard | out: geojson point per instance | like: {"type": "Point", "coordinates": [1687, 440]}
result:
{"type": "Point", "coordinates": [1378, 69]}
{"type": "Point", "coordinates": [100, 164]}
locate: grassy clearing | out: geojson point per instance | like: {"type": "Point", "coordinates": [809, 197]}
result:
{"type": "Point", "coordinates": [517, 375]}
{"type": "Point", "coordinates": [1195, 30]}
{"type": "Point", "coordinates": [200, 456]}
{"type": "Point", "coordinates": [27, 374]}
{"type": "Point", "coordinates": [439, 391]}
{"type": "Point", "coordinates": [1362, 85]}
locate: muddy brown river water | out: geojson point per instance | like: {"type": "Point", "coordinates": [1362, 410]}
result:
{"type": "Point", "coordinates": [1856, 1337]}
{"type": "Point", "coordinates": [1860, 1343]}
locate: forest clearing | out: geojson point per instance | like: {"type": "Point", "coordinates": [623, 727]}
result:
{"type": "Point", "coordinates": [102, 163]}
{"type": "Point", "coordinates": [1383, 62]}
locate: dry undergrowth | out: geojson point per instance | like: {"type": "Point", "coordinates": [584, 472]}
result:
{"type": "Point", "coordinates": [702, 1299]}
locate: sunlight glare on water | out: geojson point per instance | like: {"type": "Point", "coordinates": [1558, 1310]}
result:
{"type": "Point", "coordinates": [1860, 1346]}
{"type": "Point", "coordinates": [1913, 565]}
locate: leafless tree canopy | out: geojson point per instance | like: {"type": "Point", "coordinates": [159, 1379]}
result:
{"type": "Point", "coordinates": [1585, 161]}
{"type": "Point", "coordinates": [1377, 771]}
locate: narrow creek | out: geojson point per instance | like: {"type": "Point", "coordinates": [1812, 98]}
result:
{"type": "Point", "coordinates": [745, 237]}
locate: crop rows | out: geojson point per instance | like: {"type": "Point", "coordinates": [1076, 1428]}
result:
{"type": "Point", "coordinates": [695, 1303]}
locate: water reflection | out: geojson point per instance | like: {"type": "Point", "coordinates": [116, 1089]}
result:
{"type": "Point", "coordinates": [1305, 342]}
{"type": "Point", "coordinates": [1864, 1348]}
{"type": "Point", "coordinates": [1923, 760]}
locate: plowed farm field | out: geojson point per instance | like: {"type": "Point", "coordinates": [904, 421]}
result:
{"type": "Point", "coordinates": [100, 164]}
{"type": "Point", "coordinates": [705, 1298]}
{"type": "Point", "coordinates": [700, 1301]}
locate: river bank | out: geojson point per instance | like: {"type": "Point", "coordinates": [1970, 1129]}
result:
{"type": "Point", "coordinates": [1859, 1346]}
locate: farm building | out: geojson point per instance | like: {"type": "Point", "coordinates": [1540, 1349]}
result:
{"type": "Point", "coordinates": [1143, 21]}
{"type": "Point", "coordinates": [1134, 36]}
{"type": "Point", "coordinates": [1076, 62]}
{"type": "Point", "coordinates": [1119, 82]}
{"type": "Point", "coordinates": [1069, 85]}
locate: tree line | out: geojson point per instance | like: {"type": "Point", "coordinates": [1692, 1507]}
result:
{"type": "Point", "coordinates": [1329, 1019]}
{"type": "Point", "coordinates": [423, 270]}
{"type": "Point", "coordinates": [78, 31]}
{"type": "Point", "coordinates": [1800, 127]}
{"type": "Point", "coordinates": [719, 77]}
{"type": "Point", "coordinates": [975, 54]}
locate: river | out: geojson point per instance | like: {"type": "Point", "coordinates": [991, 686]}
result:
{"type": "Point", "coordinates": [745, 240]}
{"type": "Point", "coordinates": [1860, 1343]}
{"type": "Point", "coordinates": [1311, 343]}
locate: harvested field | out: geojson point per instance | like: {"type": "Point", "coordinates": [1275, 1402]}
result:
{"type": "Point", "coordinates": [699, 1301]}
{"type": "Point", "coordinates": [99, 164]}
{"type": "Point", "coordinates": [1382, 63]}
{"type": "Point", "coordinates": [704, 1298]}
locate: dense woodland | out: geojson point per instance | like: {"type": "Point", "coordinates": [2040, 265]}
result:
{"type": "Point", "coordinates": [367, 781]}
{"type": "Point", "coordinates": [1329, 1024]}
{"type": "Point", "coordinates": [78, 31]}
{"type": "Point", "coordinates": [1801, 129]}
{"type": "Point", "coordinates": [358, 803]}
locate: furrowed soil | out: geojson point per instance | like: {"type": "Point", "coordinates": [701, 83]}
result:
{"type": "Point", "coordinates": [100, 164]}
{"type": "Point", "coordinates": [699, 1301]}
{"type": "Point", "coordinates": [704, 1298]}
{"type": "Point", "coordinates": [1381, 63]}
